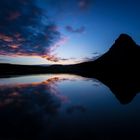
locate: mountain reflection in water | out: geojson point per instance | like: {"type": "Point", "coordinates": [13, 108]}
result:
{"type": "Point", "coordinates": [64, 107]}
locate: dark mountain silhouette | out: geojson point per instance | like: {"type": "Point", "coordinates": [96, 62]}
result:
{"type": "Point", "coordinates": [123, 54]}
{"type": "Point", "coordinates": [118, 68]}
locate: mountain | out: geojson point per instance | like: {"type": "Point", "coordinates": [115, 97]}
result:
{"type": "Point", "coordinates": [122, 58]}
{"type": "Point", "coordinates": [123, 52]}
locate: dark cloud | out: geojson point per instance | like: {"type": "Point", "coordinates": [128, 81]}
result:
{"type": "Point", "coordinates": [25, 28]}
{"type": "Point", "coordinates": [96, 53]}
{"type": "Point", "coordinates": [78, 30]}
{"type": "Point", "coordinates": [84, 4]}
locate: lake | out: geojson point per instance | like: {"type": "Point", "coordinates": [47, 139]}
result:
{"type": "Point", "coordinates": [63, 106]}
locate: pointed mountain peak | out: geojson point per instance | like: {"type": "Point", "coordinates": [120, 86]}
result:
{"type": "Point", "coordinates": [125, 38]}
{"type": "Point", "coordinates": [124, 41]}
{"type": "Point", "coordinates": [123, 52]}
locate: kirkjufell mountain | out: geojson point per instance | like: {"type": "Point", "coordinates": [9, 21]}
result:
{"type": "Point", "coordinates": [123, 53]}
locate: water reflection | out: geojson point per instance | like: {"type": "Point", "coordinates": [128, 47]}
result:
{"type": "Point", "coordinates": [29, 104]}
{"type": "Point", "coordinates": [24, 108]}
{"type": "Point", "coordinates": [64, 107]}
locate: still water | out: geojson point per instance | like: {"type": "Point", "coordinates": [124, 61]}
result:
{"type": "Point", "coordinates": [62, 106]}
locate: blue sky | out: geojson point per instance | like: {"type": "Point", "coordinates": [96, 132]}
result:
{"type": "Point", "coordinates": [76, 30]}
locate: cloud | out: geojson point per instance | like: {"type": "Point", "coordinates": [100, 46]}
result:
{"type": "Point", "coordinates": [59, 43]}
{"type": "Point", "coordinates": [96, 53]}
{"type": "Point", "coordinates": [50, 51]}
{"type": "Point", "coordinates": [84, 4]}
{"type": "Point", "coordinates": [95, 56]}
{"type": "Point", "coordinates": [25, 29]}
{"type": "Point", "coordinates": [72, 30]}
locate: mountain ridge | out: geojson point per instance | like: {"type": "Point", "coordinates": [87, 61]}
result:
{"type": "Point", "coordinates": [124, 53]}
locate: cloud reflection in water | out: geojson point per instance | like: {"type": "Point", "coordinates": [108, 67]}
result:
{"type": "Point", "coordinates": [29, 104]}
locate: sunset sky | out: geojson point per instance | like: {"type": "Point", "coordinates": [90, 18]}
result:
{"type": "Point", "coordinates": [63, 31]}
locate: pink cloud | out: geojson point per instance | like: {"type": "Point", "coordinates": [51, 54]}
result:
{"type": "Point", "coordinates": [50, 51]}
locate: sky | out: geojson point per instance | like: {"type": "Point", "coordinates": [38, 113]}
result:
{"type": "Point", "coordinates": [63, 31]}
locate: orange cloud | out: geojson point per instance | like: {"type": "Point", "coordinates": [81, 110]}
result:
{"type": "Point", "coordinates": [51, 58]}
{"type": "Point", "coordinates": [6, 38]}
{"type": "Point", "coordinates": [15, 46]}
